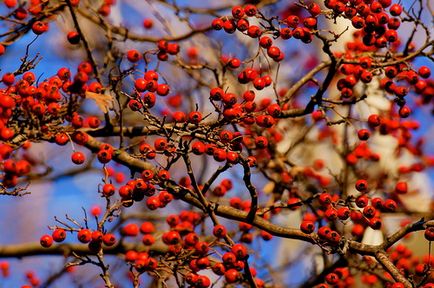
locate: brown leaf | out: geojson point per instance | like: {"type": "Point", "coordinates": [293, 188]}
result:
{"type": "Point", "coordinates": [103, 101]}
{"type": "Point", "coordinates": [268, 188]}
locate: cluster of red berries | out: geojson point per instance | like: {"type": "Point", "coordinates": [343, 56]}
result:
{"type": "Point", "coordinates": [165, 49]}
{"type": "Point", "coordinates": [340, 277]}
{"type": "Point", "coordinates": [184, 242]}
{"type": "Point", "coordinates": [239, 21]}
{"type": "Point", "coordinates": [105, 8]}
{"type": "Point", "coordinates": [146, 228]}
{"type": "Point", "coordinates": [95, 238]}
{"type": "Point", "coordinates": [147, 83]}
{"type": "Point", "coordinates": [44, 102]}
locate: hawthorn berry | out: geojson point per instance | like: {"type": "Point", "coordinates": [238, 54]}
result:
{"type": "Point", "coordinates": [84, 236]}
{"type": "Point", "coordinates": [232, 276]}
{"type": "Point", "coordinates": [130, 230]}
{"type": "Point", "coordinates": [46, 241]}
{"type": "Point", "coordinates": [73, 37]}
{"type": "Point", "coordinates": [39, 27]}
{"type": "Point", "coordinates": [424, 72]}
{"type": "Point", "coordinates": [401, 187]}
{"type": "Point", "coordinates": [343, 213]}
{"type": "Point", "coordinates": [395, 10]}
{"type": "Point", "coordinates": [148, 23]}
{"type": "Point", "coordinates": [363, 134]}
{"type": "Point", "coordinates": [59, 235]}
{"type": "Point", "coordinates": [404, 112]}
{"type": "Point", "coordinates": [307, 227]}
{"type": "Point", "coordinates": [250, 10]}
{"type": "Point", "coordinates": [362, 201]}
{"type": "Point", "coordinates": [133, 55]}
{"type": "Point", "coordinates": [361, 185]}
{"type": "Point", "coordinates": [109, 239]}
{"type": "Point", "coordinates": [219, 231]}
{"type": "Point", "coordinates": [78, 157]}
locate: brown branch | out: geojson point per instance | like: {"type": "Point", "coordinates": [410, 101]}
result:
{"type": "Point", "coordinates": [35, 249]}
{"type": "Point", "coordinates": [401, 233]}
{"type": "Point", "coordinates": [126, 34]}
{"type": "Point", "coordinates": [85, 43]}
{"type": "Point", "coordinates": [252, 191]}
{"type": "Point", "coordinates": [228, 212]}
{"type": "Point", "coordinates": [294, 88]}
{"type": "Point", "coordinates": [381, 257]}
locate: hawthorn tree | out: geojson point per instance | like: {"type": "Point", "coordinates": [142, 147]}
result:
{"type": "Point", "coordinates": [210, 128]}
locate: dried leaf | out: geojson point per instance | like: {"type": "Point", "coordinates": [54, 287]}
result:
{"type": "Point", "coordinates": [103, 101]}
{"type": "Point", "coordinates": [268, 188]}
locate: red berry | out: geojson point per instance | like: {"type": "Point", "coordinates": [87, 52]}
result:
{"type": "Point", "coordinates": [73, 37]}
{"type": "Point", "coordinates": [39, 27]}
{"type": "Point", "coordinates": [108, 190]}
{"type": "Point", "coordinates": [363, 134]}
{"type": "Point", "coordinates": [46, 241]}
{"type": "Point", "coordinates": [109, 239]}
{"type": "Point", "coordinates": [219, 231]}
{"type": "Point", "coordinates": [59, 235]}
{"type": "Point", "coordinates": [401, 188]}
{"type": "Point", "coordinates": [250, 10]}
{"type": "Point", "coordinates": [78, 157]}
{"type": "Point", "coordinates": [232, 276]}
{"type": "Point", "coordinates": [374, 120]}
{"type": "Point", "coordinates": [147, 228]}
{"type": "Point", "coordinates": [11, 3]}
{"type": "Point", "coordinates": [163, 89]}
{"type": "Point", "coordinates": [395, 10]}
{"type": "Point", "coordinates": [240, 251]}
{"type": "Point", "coordinates": [362, 201]}
{"type": "Point", "coordinates": [318, 115]}
{"type": "Point", "coordinates": [130, 229]}
{"type": "Point", "coordinates": [424, 72]}
{"type": "Point", "coordinates": [84, 236]}
{"type": "Point", "coordinates": [404, 112]}
{"type": "Point", "coordinates": [8, 79]}
{"type": "Point", "coordinates": [133, 55]}
{"type": "Point", "coordinates": [148, 23]}
{"type": "Point", "coordinates": [332, 278]}
{"type": "Point", "coordinates": [265, 42]}
{"type": "Point", "coordinates": [307, 227]}
{"type": "Point", "coordinates": [362, 185]}
{"type": "Point", "coordinates": [217, 24]}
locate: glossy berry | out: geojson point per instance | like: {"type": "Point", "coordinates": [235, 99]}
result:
{"type": "Point", "coordinates": [148, 23]}
{"type": "Point", "coordinates": [73, 37]}
{"type": "Point", "coordinates": [133, 55]}
{"type": "Point", "coordinates": [108, 190]}
{"type": "Point", "coordinates": [219, 231]}
{"type": "Point", "coordinates": [307, 227]}
{"type": "Point", "coordinates": [401, 187]}
{"type": "Point", "coordinates": [374, 120]}
{"type": "Point", "coordinates": [404, 111]}
{"type": "Point", "coordinates": [130, 230]}
{"type": "Point", "coordinates": [109, 239]}
{"type": "Point", "coordinates": [395, 10]}
{"type": "Point", "coordinates": [363, 134]}
{"type": "Point", "coordinates": [78, 158]}
{"type": "Point", "coordinates": [39, 27]}
{"type": "Point", "coordinates": [84, 235]}
{"type": "Point", "coordinates": [147, 228]}
{"type": "Point", "coordinates": [231, 276]}
{"type": "Point", "coordinates": [239, 250]}
{"type": "Point", "coordinates": [424, 72]}
{"type": "Point", "coordinates": [59, 235]}
{"type": "Point", "coordinates": [46, 241]}
{"type": "Point", "coordinates": [361, 185]}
